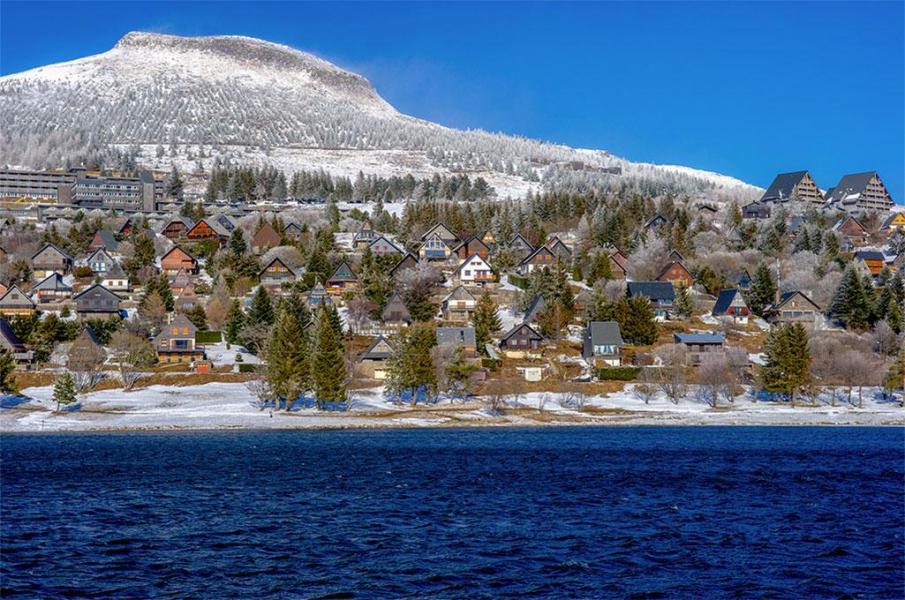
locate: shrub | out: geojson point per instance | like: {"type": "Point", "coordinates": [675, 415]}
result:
{"type": "Point", "coordinates": [519, 282]}
{"type": "Point", "coordinates": [208, 337]}
{"type": "Point", "coordinates": [83, 272]}
{"type": "Point", "coordinates": [618, 373]}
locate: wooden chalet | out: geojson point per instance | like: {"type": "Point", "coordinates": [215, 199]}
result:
{"type": "Point", "coordinates": [395, 313]}
{"type": "Point", "coordinates": [445, 233]}
{"type": "Point", "coordinates": [11, 342]}
{"type": "Point", "coordinates": [293, 232]}
{"type": "Point", "coordinates": [874, 260]}
{"type": "Point", "coordinates": [176, 260]}
{"type": "Point", "coordinates": [52, 289]}
{"type": "Point", "coordinates": [662, 296]}
{"type": "Point", "coordinates": [562, 252]}
{"type": "Point", "coordinates": [409, 261]}
{"type": "Point", "coordinates": [176, 342]}
{"type": "Point", "coordinates": [458, 337]}
{"type": "Point", "coordinates": [364, 236]}
{"type": "Point", "coordinates": [730, 304]}
{"type": "Point", "coordinates": [373, 362]}
{"type": "Point", "coordinates": [520, 247]}
{"type": "Point", "coordinates": [381, 246]}
{"type": "Point", "coordinates": [100, 261]}
{"type": "Point", "coordinates": [208, 228]}
{"type": "Point", "coordinates": [16, 303]}
{"type": "Point", "coordinates": [177, 228]}
{"type": "Point", "coordinates": [97, 302]}
{"type": "Point", "coordinates": [676, 273]}
{"type": "Point", "coordinates": [541, 258]}
{"type": "Point", "coordinates": [699, 346]}
{"type": "Point", "coordinates": [50, 259]}
{"type": "Point", "coordinates": [435, 248]}
{"type": "Point", "coordinates": [852, 232]}
{"type": "Point", "coordinates": [116, 279]}
{"type": "Point", "coordinates": [275, 273]}
{"type": "Point", "coordinates": [342, 279]}
{"type": "Point", "coordinates": [793, 307]}
{"type": "Point", "coordinates": [471, 247]}
{"type": "Point", "coordinates": [103, 239]}
{"type": "Point", "coordinates": [521, 340]}
{"type": "Point", "coordinates": [264, 239]}
{"type": "Point", "coordinates": [458, 305]}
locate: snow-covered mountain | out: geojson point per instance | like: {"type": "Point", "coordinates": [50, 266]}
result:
{"type": "Point", "coordinates": [253, 101]}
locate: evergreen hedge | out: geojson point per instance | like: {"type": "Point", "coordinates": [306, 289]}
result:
{"type": "Point", "coordinates": [519, 282]}
{"type": "Point", "coordinates": [208, 337]}
{"type": "Point", "coordinates": [618, 373]}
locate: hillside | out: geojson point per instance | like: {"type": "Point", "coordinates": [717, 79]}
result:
{"type": "Point", "coordinates": [252, 101]}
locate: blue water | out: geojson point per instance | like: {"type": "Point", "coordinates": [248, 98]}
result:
{"type": "Point", "coordinates": [557, 513]}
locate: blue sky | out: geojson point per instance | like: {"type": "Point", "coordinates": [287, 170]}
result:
{"type": "Point", "coordinates": [745, 89]}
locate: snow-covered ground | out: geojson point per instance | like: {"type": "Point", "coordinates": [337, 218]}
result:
{"type": "Point", "coordinates": [233, 405]}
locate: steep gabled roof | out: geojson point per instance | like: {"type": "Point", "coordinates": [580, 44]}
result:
{"type": "Point", "coordinates": [519, 240]}
{"type": "Point", "coordinates": [380, 349]}
{"type": "Point", "coordinates": [97, 287]}
{"type": "Point", "coordinates": [535, 308]}
{"type": "Point", "coordinates": [851, 186]}
{"type": "Point", "coordinates": [654, 290]}
{"type": "Point", "coordinates": [783, 187]}
{"type": "Point", "coordinates": [53, 282]}
{"type": "Point", "coordinates": [789, 295]}
{"type": "Point", "coordinates": [472, 259]}
{"type": "Point", "coordinates": [107, 239]}
{"type": "Point", "coordinates": [459, 293]}
{"type": "Point", "coordinates": [343, 273]}
{"type": "Point", "coordinates": [439, 227]}
{"type": "Point", "coordinates": [174, 249]}
{"type": "Point", "coordinates": [604, 333]}
{"type": "Point", "coordinates": [103, 251]}
{"type": "Point", "coordinates": [51, 247]}
{"type": "Point", "coordinates": [456, 336]}
{"type": "Point", "coordinates": [540, 250]}
{"type": "Point", "coordinates": [518, 328]}
{"type": "Point", "coordinates": [848, 219]}
{"type": "Point", "coordinates": [385, 240]}
{"type": "Point", "coordinates": [724, 300]}
{"type": "Point", "coordinates": [276, 259]}
{"type": "Point", "coordinates": [404, 263]}
{"type": "Point", "coordinates": [15, 298]}
{"type": "Point", "coordinates": [670, 266]}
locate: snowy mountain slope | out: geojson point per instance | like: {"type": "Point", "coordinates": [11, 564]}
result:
{"type": "Point", "coordinates": [254, 101]}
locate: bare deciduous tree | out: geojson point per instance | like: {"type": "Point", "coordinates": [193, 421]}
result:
{"type": "Point", "coordinates": [671, 379]}
{"type": "Point", "coordinates": [717, 378]}
{"type": "Point", "coordinates": [131, 353]}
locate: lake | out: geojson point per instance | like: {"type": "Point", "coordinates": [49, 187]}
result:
{"type": "Point", "coordinates": [702, 512]}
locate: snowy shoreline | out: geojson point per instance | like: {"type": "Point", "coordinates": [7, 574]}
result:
{"type": "Point", "coordinates": [231, 407]}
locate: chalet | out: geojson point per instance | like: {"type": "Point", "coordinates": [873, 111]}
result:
{"type": "Point", "coordinates": [872, 259]}
{"type": "Point", "coordinates": [618, 265]}
{"type": "Point", "coordinates": [475, 270]}
{"type": "Point", "coordinates": [177, 259]}
{"type": "Point", "coordinates": [489, 239]}
{"type": "Point", "coordinates": [535, 309]}
{"type": "Point", "coordinates": [343, 279]}
{"type": "Point", "coordinates": [662, 296]}
{"type": "Point", "coordinates": [100, 261]}
{"type": "Point", "coordinates": [792, 186]}
{"type": "Point", "coordinates": [852, 232]}
{"type": "Point", "coordinates": [407, 262]}
{"type": "Point", "coordinates": [459, 305]}
{"type": "Point", "coordinates": [86, 345]}
{"type": "Point", "coordinates": [52, 289]}
{"type": "Point", "coordinates": [14, 303]}
{"type": "Point", "coordinates": [520, 247]}
{"type": "Point", "coordinates": [458, 337]}
{"type": "Point", "coordinates": [894, 222]}
{"type": "Point", "coordinates": [179, 283]}
{"type": "Point", "coordinates": [364, 236]}
{"type": "Point", "coordinates": [293, 232]}
{"type": "Point", "coordinates": [103, 239]}
{"type": "Point", "coordinates": [560, 250]}
{"type": "Point", "coordinates": [675, 256]}
{"type": "Point", "coordinates": [50, 259]}
{"type": "Point", "coordinates": [395, 313]}
{"type": "Point", "coordinates": [676, 274]}
{"type": "Point", "coordinates": [97, 302]}
{"type": "Point", "coordinates": [176, 342]}
{"type": "Point", "coordinates": [435, 248]}
{"type": "Point", "coordinates": [208, 228]}
{"type": "Point", "coordinates": [122, 227]}
{"type": "Point", "coordinates": [730, 304]}
{"type": "Point", "coordinates": [381, 245]}
{"type": "Point", "coordinates": [602, 344]}
{"type": "Point", "coordinates": [11, 342]}
{"type": "Point", "coordinates": [188, 298]}
{"type": "Point", "coordinates": [264, 239]}
{"type": "Point", "coordinates": [116, 279]}
{"type": "Point", "coordinates": [276, 273]}
{"type": "Point", "coordinates": [372, 363]}
{"type": "Point", "coordinates": [470, 247]}
{"type": "Point", "coordinates": [698, 346]}
{"type": "Point", "coordinates": [226, 222]}
{"type": "Point", "coordinates": [539, 259]}
{"type": "Point", "coordinates": [520, 340]}
{"type": "Point", "coordinates": [793, 307]}
{"type": "Point", "coordinates": [318, 297]}
{"type": "Point", "coordinates": [656, 222]}
{"type": "Point", "coordinates": [445, 233]}
{"type": "Point", "coordinates": [860, 191]}
{"type": "Point", "coordinates": [177, 228]}
{"type": "Point", "coordinates": [756, 211]}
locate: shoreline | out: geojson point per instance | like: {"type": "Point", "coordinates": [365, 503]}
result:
{"type": "Point", "coordinates": [229, 406]}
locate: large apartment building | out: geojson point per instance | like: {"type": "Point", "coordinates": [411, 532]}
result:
{"type": "Point", "coordinates": [863, 191]}
{"type": "Point", "coordinates": [80, 189]}
{"type": "Point", "coordinates": [40, 185]}
{"type": "Point", "coordinates": [793, 186]}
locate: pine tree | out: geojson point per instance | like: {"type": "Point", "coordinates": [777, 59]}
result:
{"type": "Point", "coordinates": [237, 245]}
{"type": "Point", "coordinates": [288, 368]}
{"type": "Point", "coordinates": [683, 301]}
{"type": "Point", "coordinates": [260, 312]}
{"type": "Point", "coordinates": [600, 308]}
{"type": "Point", "coordinates": [763, 290]}
{"type": "Point", "coordinates": [329, 365]}
{"type": "Point", "coordinates": [8, 383]}
{"type": "Point", "coordinates": [173, 185]}
{"type": "Point", "coordinates": [850, 304]}
{"type": "Point", "coordinates": [411, 366]}
{"type": "Point", "coordinates": [64, 392]}
{"type": "Point", "coordinates": [235, 321]}
{"type": "Point", "coordinates": [486, 320]}
{"type": "Point", "coordinates": [787, 360]}
{"type": "Point", "coordinates": [894, 317]}
{"type": "Point", "coordinates": [637, 320]}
